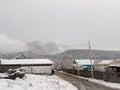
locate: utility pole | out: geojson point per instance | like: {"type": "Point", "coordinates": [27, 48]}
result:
{"type": "Point", "coordinates": [90, 57]}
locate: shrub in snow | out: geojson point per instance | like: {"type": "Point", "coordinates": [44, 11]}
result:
{"type": "Point", "coordinates": [14, 73]}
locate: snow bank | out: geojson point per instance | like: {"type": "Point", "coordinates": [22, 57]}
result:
{"type": "Point", "coordinates": [108, 84]}
{"type": "Point", "coordinates": [3, 75]}
{"type": "Point", "coordinates": [36, 82]}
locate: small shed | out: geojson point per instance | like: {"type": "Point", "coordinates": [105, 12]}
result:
{"type": "Point", "coordinates": [37, 66]}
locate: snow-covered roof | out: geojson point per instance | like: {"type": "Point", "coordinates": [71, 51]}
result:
{"type": "Point", "coordinates": [105, 61]}
{"type": "Point", "coordinates": [84, 61]}
{"type": "Point", "coordinates": [25, 61]}
{"type": "Point", "coordinates": [115, 65]}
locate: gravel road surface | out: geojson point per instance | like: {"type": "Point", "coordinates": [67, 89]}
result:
{"type": "Point", "coordinates": [82, 84]}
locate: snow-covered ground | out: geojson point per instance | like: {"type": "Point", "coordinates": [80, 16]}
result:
{"type": "Point", "coordinates": [36, 82]}
{"type": "Point", "coordinates": [108, 84]}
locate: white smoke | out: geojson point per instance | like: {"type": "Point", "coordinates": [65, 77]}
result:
{"type": "Point", "coordinates": [8, 45]}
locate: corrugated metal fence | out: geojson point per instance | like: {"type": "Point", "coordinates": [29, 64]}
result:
{"type": "Point", "coordinates": [107, 76]}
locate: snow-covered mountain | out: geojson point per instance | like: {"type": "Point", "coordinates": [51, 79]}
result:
{"type": "Point", "coordinates": [37, 49]}
{"type": "Point", "coordinates": [46, 48]}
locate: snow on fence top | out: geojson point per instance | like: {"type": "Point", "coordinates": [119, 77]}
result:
{"type": "Point", "coordinates": [25, 61]}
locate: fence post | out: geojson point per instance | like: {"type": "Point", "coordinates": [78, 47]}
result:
{"type": "Point", "coordinates": [78, 71]}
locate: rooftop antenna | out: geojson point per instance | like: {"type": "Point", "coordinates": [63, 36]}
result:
{"type": "Point", "coordinates": [90, 58]}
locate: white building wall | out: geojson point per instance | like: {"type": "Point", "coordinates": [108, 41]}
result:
{"type": "Point", "coordinates": [42, 69]}
{"type": "Point", "coordinates": [28, 69]}
{"type": "Point", "coordinates": [39, 69]}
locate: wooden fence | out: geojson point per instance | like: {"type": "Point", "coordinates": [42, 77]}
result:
{"type": "Point", "coordinates": [107, 76]}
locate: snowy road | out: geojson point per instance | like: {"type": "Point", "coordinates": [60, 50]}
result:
{"type": "Point", "coordinates": [82, 84]}
{"type": "Point", "coordinates": [36, 82]}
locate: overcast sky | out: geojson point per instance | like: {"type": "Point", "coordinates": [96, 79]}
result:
{"type": "Point", "coordinates": [67, 21]}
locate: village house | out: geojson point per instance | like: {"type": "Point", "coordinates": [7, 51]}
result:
{"type": "Point", "coordinates": [115, 67]}
{"type": "Point", "coordinates": [37, 66]}
{"type": "Point", "coordinates": [100, 65]}
{"type": "Point", "coordinates": [83, 64]}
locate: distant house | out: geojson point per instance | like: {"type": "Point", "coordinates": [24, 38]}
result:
{"type": "Point", "coordinates": [83, 64]}
{"type": "Point", "coordinates": [37, 66]}
{"type": "Point", "coordinates": [21, 56]}
{"type": "Point", "coordinates": [115, 67]}
{"type": "Point", "coordinates": [102, 64]}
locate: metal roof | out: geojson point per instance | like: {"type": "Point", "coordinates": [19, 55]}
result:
{"type": "Point", "coordinates": [25, 61]}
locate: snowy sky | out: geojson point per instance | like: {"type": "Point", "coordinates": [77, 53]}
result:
{"type": "Point", "coordinates": [67, 21]}
{"type": "Point", "coordinates": [8, 44]}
